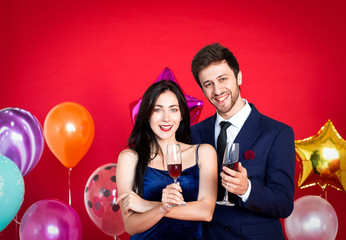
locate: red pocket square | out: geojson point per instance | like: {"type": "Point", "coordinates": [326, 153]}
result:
{"type": "Point", "coordinates": [249, 154]}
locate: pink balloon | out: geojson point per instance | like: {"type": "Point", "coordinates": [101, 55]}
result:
{"type": "Point", "coordinates": [100, 198]}
{"type": "Point", "coordinates": [312, 218]}
{"type": "Point", "coordinates": [50, 220]}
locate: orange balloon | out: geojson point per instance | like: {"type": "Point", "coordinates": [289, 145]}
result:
{"type": "Point", "coordinates": [69, 132]}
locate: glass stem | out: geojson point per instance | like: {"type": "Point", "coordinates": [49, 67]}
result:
{"type": "Point", "coordinates": [225, 198]}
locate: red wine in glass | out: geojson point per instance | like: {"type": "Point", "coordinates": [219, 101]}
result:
{"type": "Point", "coordinates": [174, 170]}
{"type": "Point", "coordinates": [233, 166]}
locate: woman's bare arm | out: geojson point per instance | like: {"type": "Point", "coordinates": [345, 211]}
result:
{"type": "Point", "coordinates": [134, 222]}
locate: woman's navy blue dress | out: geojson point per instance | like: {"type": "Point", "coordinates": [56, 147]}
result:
{"type": "Point", "coordinates": [168, 228]}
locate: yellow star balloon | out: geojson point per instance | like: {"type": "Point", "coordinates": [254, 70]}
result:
{"type": "Point", "coordinates": [322, 159]}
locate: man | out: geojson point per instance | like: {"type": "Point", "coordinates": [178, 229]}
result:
{"type": "Point", "coordinates": [263, 187]}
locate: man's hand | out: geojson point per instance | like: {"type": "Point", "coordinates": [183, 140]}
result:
{"type": "Point", "coordinates": [236, 182]}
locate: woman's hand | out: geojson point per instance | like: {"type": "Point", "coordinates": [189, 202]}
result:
{"type": "Point", "coordinates": [171, 195]}
{"type": "Point", "coordinates": [133, 202]}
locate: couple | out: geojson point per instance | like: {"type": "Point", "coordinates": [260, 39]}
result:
{"type": "Point", "coordinates": [262, 188]}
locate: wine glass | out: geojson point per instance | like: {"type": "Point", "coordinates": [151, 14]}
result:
{"type": "Point", "coordinates": [230, 160]}
{"type": "Point", "coordinates": [174, 163]}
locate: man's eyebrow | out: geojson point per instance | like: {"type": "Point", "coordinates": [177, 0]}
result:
{"type": "Point", "coordinates": [222, 75]}
{"type": "Point", "coordinates": [219, 76]}
{"type": "Point", "coordinates": [205, 81]}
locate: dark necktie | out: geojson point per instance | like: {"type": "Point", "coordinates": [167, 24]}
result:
{"type": "Point", "coordinates": [222, 139]}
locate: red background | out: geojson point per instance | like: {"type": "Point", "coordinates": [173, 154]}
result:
{"type": "Point", "coordinates": [104, 54]}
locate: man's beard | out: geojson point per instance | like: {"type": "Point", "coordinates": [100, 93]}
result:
{"type": "Point", "coordinates": [227, 109]}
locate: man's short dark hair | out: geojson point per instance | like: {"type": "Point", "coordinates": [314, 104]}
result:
{"type": "Point", "coordinates": [210, 54]}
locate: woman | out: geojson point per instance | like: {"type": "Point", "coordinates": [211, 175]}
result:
{"type": "Point", "coordinates": [146, 191]}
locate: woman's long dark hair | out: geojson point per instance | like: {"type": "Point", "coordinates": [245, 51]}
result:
{"type": "Point", "coordinates": [142, 139]}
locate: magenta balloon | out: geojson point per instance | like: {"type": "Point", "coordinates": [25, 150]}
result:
{"type": "Point", "coordinates": [50, 220]}
{"type": "Point", "coordinates": [195, 105]}
{"type": "Point", "coordinates": [312, 218]}
{"type": "Point", "coordinates": [21, 138]}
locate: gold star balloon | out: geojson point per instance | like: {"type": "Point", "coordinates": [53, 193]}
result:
{"type": "Point", "coordinates": [322, 159]}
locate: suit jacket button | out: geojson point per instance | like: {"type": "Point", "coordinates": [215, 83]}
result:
{"type": "Point", "coordinates": [253, 207]}
{"type": "Point", "coordinates": [227, 228]}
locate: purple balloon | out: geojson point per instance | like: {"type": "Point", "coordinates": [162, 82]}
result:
{"type": "Point", "coordinates": [50, 219]}
{"type": "Point", "coordinates": [21, 138]}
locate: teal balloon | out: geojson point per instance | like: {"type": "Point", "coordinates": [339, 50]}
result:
{"type": "Point", "coordinates": [11, 191]}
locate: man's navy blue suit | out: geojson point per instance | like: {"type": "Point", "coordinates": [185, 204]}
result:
{"type": "Point", "coordinates": [271, 173]}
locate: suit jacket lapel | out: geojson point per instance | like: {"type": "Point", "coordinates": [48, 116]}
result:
{"type": "Point", "coordinates": [249, 132]}
{"type": "Point", "coordinates": [209, 131]}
